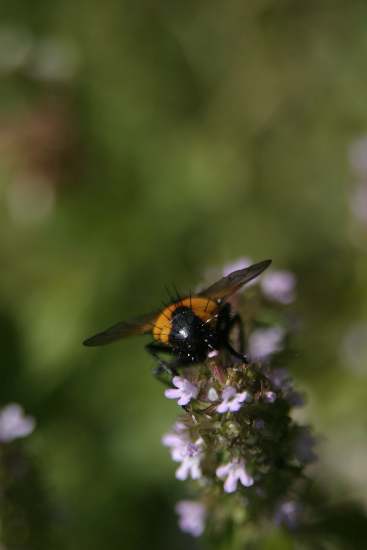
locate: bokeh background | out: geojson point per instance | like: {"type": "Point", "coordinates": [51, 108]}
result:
{"type": "Point", "coordinates": [142, 144]}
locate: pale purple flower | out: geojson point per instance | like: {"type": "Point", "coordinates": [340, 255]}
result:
{"type": "Point", "coordinates": [281, 379]}
{"type": "Point", "coordinates": [231, 400]}
{"type": "Point", "coordinates": [185, 391]}
{"type": "Point", "coordinates": [288, 514]}
{"type": "Point", "coordinates": [358, 202]}
{"type": "Point", "coordinates": [270, 396]}
{"type": "Point", "coordinates": [191, 517]}
{"type": "Point", "coordinates": [14, 424]}
{"type": "Point", "coordinates": [177, 440]}
{"type": "Point", "coordinates": [184, 450]}
{"type": "Point", "coordinates": [279, 286]}
{"type": "Point", "coordinates": [212, 394]}
{"type": "Point", "coordinates": [263, 342]}
{"type": "Point", "coordinates": [190, 467]}
{"type": "Point", "coordinates": [304, 446]}
{"type": "Point", "coordinates": [190, 462]}
{"type": "Point", "coordinates": [233, 472]}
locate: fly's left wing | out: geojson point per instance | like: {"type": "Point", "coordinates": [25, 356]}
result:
{"type": "Point", "coordinates": [140, 325]}
{"type": "Point", "coordinates": [222, 289]}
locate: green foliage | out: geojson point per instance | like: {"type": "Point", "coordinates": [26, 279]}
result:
{"type": "Point", "coordinates": [190, 134]}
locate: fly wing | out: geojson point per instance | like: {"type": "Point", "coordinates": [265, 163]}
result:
{"type": "Point", "coordinates": [226, 286]}
{"type": "Point", "coordinates": [140, 325]}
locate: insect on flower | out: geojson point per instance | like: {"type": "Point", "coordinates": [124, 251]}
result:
{"type": "Point", "coordinates": [190, 328]}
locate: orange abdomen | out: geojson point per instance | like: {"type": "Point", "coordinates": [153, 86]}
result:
{"type": "Point", "coordinates": [204, 308]}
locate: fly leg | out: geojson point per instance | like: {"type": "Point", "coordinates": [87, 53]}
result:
{"type": "Point", "coordinates": [237, 320]}
{"type": "Point", "coordinates": [227, 322]}
{"type": "Point", "coordinates": [242, 356]}
{"type": "Point", "coordinates": [163, 367]}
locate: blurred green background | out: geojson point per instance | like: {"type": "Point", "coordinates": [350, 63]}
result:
{"type": "Point", "coordinates": [142, 144]}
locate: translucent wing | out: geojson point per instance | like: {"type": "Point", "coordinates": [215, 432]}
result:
{"type": "Point", "coordinates": [226, 286]}
{"type": "Point", "coordinates": [140, 325]}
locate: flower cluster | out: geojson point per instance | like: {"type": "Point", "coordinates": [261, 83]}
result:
{"type": "Point", "coordinates": [185, 451]}
{"type": "Point", "coordinates": [236, 441]}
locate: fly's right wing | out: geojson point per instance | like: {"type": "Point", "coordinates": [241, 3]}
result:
{"type": "Point", "coordinates": [222, 289]}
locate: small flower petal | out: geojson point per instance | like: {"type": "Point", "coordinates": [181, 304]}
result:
{"type": "Point", "coordinates": [190, 467]}
{"type": "Point", "coordinates": [228, 393]}
{"type": "Point", "coordinates": [172, 393]}
{"type": "Point", "coordinates": [265, 342]}
{"type": "Point", "coordinates": [178, 441]}
{"type": "Point", "coordinates": [222, 471]}
{"type": "Point", "coordinates": [184, 400]}
{"type": "Point", "coordinates": [230, 484]}
{"type": "Point", "coordinates": [222, 408]}
{"type": "Point", "coordinates": [231, 400]}
{"type": "Point", "coordinates": [270, 396]}
{"type": "Point", "coordinates": [178, 381]}
{"type": "Point", "coordinates": [245, 478]}
{"type": "Point", "coordinates": [232, 473]}
{"type": "Point", "coordinates": [14, 423]}
{"type": "Point", "coordinates": [212, 394]}
{"type": "Point", "coordinates": [191, 517]}
{"type": "Point", "coordinates": [185, 391]}
{"type": "Point", "coordinates": [279, 286]}
{"type": "Point", "coordinates": [241, 397]}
